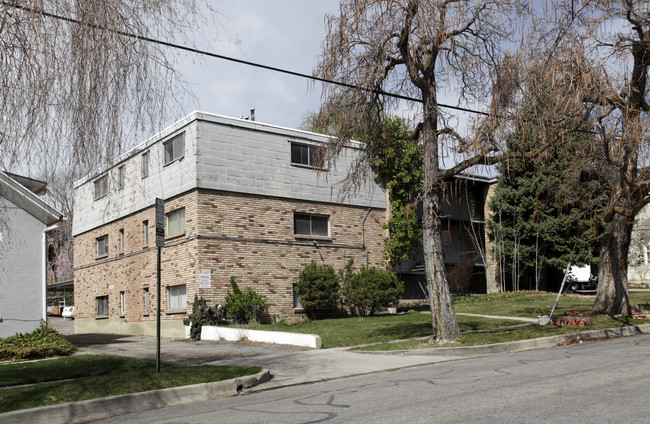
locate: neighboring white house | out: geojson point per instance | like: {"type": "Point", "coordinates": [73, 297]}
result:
{"type": "Point", "coordinates": [24, 219]}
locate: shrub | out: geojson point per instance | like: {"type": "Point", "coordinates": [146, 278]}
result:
{"type": "Point", "coordinates": [202, 314]}
{"type": "Point", "coordinates": [319, 289]}
{"type": "Point", "coordinates": [40, 343]}
{"type": "Point", "coordinates": [244, 306]}
{"type": "Point", "coordinates": [459, 277]}
{"type": "Point", "coordinates": [372, 289]}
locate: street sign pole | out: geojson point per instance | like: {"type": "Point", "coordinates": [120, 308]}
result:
{"type": "Point", "coordinates": [160, 243]}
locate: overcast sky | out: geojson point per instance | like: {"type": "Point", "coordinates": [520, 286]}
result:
{"type": "Point", "coordinates": [279, 33]}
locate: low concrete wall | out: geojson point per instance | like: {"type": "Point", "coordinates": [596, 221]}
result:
{"type": "Point", "coordinates": [116, 325]}
{"type": "Point", "coordinates": [277, 337]}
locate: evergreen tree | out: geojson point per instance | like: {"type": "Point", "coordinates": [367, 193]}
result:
{"type": "Point", "coordinates": [545, 212]}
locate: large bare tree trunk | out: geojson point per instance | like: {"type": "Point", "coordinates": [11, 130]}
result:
{"type": "Point", "coordinates": [611, 296]}
{"type": "Point", "coordinates": [443, 316]}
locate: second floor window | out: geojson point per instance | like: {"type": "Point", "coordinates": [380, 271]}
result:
{"type": "Point", "coordinates": [311, 225]}
{"type": "Point", "coordinates": [175, 222]}
{"type": "Point", "coordinates": [122, 240]}
{"type": "Point", "coordinates": [145, 232]}
{"type": "Point", "coordinates": [102, 246]}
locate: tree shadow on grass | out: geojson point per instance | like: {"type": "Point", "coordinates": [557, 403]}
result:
{"type": "Point", "coordinates": [400, 331]}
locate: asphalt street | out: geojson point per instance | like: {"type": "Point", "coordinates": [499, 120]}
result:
{"type": "Point", "coordinates": [603, 381]}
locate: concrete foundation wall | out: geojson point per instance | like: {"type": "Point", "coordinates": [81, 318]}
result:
{"type": "Point", "coordinates": [115, 325]}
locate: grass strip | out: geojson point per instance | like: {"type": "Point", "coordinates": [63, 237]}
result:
{"type": "Point", "coordinates": [529, 304]}
{"type": "Point", "coordinates": [83, 377]}
{"type": "Point", "coordinates": [384, 328]}
{"type": "Point", "coordinates": [361, 330]}
{"type": "Point", "coordinates": [508, 334]}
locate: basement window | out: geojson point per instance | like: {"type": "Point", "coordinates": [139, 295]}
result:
{"type": "Point", "coordinates": [102, 305]}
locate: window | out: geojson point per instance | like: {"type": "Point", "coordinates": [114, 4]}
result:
{"type": "Point", "coordinates": [145, 165]}
{"type": "Point", "coordinates": [174, 148]}
{"type": "Point", "coordinates": [122, 303]}
{"type": "Point", "coordinates": [101, 187]}
{"type": "Point", "coordinates": [147, 300]}
{"type": "Point", "coordinates": [102, 246]}
{"type": "Point", "coordinates": [121, 239]}
{"type": "Point", "coordinates": [305, 154]}
{"type": "Point", "coordinates": [176, 222]}
{"type": "Point", "coordinates": [176, 297]}
{"type": "Point", "coordinates": [102, 305]}
{"type": "Point", "coordinates": [311, 225]}
{"type": "Point", "coordinates": [296, 299]}
{"type": "Point", "coordinates": [145, 232]}
{"type": "Point", "coordinates": [120, 177]}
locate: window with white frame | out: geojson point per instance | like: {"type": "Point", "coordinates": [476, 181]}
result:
{"type": "Point", "coordinates": [147, 300]}
{"type": "Point", "coordinates": [102, 245]}
{"type": "Point", "coordinates": [175, 222]}
{"type": "Point", "coordinates": [102, 305]}
{"type": "Point", "coordinates": [306, 224]}
{"type": "Point", "coordinates": [144, 164]}
{"type": "Point", "coordinates": [174, 148]}
{"type": "Point", "coordinates": [121, 239]}
{"type": "Point", "coordinates": [176, 298]}
{"type": "Point", "coordinates": [122, 303]}
{"type": "Point", "coordinates": [145, 232]}
{"type": "Point", "coordinates": [101, 187]}
{"type": "Point", "coordinates": [305, 154]}
{"type": "Point", "coordinates": [120, 177]}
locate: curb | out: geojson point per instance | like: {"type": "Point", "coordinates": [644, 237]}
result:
{"type": "Point", "coordinates": [521, 345]}
{"type": "Point", "coordinates": [102, 408]}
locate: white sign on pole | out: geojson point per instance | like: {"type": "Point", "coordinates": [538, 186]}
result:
{"type": "Point", "coordinates": [205, 279]}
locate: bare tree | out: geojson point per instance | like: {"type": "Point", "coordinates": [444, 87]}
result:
{"type": "Point", "coordinates": [77, 81]}
{"type": "Point", "coordinates": [604, 46]}
{"type": "Point", "coordinates": [418, 48]}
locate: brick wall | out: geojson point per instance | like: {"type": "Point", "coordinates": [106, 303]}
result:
{"type": "Point", "coordinates": [246, 236]}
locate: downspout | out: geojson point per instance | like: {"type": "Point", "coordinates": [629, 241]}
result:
{"type": "Point", "coordinates": [44, 251]}
{"type": "Point", "coordinates": [363, 235]}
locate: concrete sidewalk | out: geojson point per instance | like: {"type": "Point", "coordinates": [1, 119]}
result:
{"type": "Point", "coordinates": [289, 365]}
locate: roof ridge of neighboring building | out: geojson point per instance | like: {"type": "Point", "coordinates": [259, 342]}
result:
{"type": "Point", "coordinates": [26, 199]}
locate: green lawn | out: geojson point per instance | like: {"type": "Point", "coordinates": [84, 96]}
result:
{"type": "Point", "coordinates": [531, 304]}
{"type": "Point", "coordinates": [50, 382]}
{"type": "Point", "coordinates": [361, 330]}
{"type": "Point", "coordinates": [509, 335]}
{"type": "Point", "coordinates": [378, 329]}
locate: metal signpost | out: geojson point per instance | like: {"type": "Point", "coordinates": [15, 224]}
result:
{"type": "Point", "coordinates": [160, 243]}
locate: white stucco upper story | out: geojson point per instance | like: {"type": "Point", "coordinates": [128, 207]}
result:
{"type": "Point", "coordinates": [216, 152]}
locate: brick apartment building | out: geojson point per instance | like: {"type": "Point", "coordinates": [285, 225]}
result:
{"type": "Point", "coordinates": [242, 199]}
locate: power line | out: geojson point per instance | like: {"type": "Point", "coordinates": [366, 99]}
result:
{"type": "Point", "coordinates": [227, 58]}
